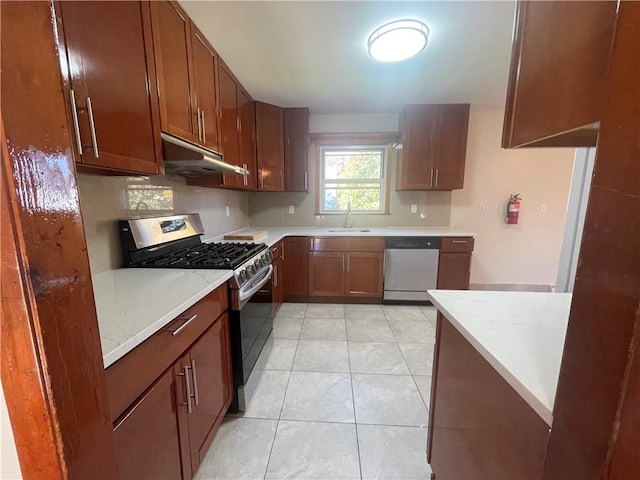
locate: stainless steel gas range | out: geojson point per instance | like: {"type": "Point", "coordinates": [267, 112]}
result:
{"type": "Point", "coordinates": [174, 242]}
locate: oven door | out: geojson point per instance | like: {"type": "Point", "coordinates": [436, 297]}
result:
{"type": "Point", "coordinates": [253, 322]}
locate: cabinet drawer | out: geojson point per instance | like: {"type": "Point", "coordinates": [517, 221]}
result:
{"type": "Point", "coordinates": [347, 244]}
{"type": "Point", "coordinates": [456, 244]}
{"type": "Point", "coordinates": [130, 376]}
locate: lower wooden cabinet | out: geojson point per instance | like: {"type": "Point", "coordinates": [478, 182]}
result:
{"type": "Point", "coordinates": [295, 253]}
{"type": "Point", "coordinates": [357, 271]}
{"type": "Point", "coordinates": [454, 264]}
{"type": "Point", "coordinates": [167, 430]}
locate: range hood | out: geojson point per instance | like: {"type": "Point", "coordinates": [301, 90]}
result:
{"type": "Point", "coordinates": [189, 160]}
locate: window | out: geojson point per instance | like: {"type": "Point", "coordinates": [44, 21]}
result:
{"type": "Point", "coordinates": [143, 198]}
{"type": "Point", "coordinates": [353, 173]}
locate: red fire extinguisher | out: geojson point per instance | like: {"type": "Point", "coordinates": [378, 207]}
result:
{"type": "Point", "coordinates": [513, 209]}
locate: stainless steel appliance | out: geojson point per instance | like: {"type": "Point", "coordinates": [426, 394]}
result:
{"type": "Point", "coordinates": [410, 268]}
{"type": "Point", "coordinates": [174, 242]}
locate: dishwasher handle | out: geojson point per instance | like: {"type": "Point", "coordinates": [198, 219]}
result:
{"type": "Point", "coordinates": [412, 243]}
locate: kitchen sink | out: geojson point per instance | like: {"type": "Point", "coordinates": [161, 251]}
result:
{"type": "Point", "coordinates": [349, 230]}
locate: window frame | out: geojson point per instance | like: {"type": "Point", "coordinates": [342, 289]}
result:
{"type": "Point", "coordinates": [363, 142]}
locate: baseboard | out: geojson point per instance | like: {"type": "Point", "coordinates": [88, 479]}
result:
{"type": "Point", "coordinates": [512, 287]}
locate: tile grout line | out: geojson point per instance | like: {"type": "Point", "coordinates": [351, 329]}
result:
{"type": "Point", "coordinates": [353, 400]}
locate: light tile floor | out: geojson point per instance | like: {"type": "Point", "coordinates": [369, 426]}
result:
{"type": "Point", "coordinates": [340, 392]}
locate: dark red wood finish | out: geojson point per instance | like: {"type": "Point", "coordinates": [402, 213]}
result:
{"type": "Point", "coordinates": [591, 415]}
{"type": "Point", "coordinates": [247, 139]}
{"type": "Point", "coordinates": [270, 147]}
{"type": "Point", "coordinates": [51, 359]}
{"type": "Point", "coordinates": [296, 149]}
{"type": "Point", "coordinates": [558, 73]}
{"type": "Point", "coordinates": [451, 146]}
{"type": "Point", "coordinates": [295, 253]}
{"type": "Point", "coordinates": [108, 63]}
{"type": "Point", "coordinates": [480, 427]}
{"type": "Point", "coordinates": [229, 122]}
{"type": "Point", "coordinates": [365, 272]}
{"type": "Point", "coordinates": [454, 263]}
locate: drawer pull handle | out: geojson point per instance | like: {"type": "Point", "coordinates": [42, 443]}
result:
{"type": "Point", "coordinates": [195, 381]}
{"type": "Point", "coordinates": [458, 241]}
{"type": "Point", "coordinates": [176, 331]}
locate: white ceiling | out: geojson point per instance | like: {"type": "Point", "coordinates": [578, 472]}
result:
{"type": "Point", "coordinates": [314, 54]}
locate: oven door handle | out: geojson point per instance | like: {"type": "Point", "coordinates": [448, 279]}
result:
{"type": "Point", "coordinates": [249, 293]}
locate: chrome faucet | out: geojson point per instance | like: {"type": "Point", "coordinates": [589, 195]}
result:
{"type": "Point", "coordinates": [348, 222]}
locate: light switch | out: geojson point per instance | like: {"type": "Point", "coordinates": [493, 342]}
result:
{"type": "Point", "coordinates": [227, 211]}
{"type": "Point", "coordinates": [292, 209]}
{"type": "Point", "coordinates": [414, 208]}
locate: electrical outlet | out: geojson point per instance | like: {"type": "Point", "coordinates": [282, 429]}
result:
{"type": "Point", "coordinates": [292, 209]}
{"type": "Point", "coordinates": [227, 211]}
{"type": "Point", "coordinates": [482, 208]}
{"type": "Point", "coordinates": [543, 208]}
{"type": "Point", "coordinates": [414, 208]}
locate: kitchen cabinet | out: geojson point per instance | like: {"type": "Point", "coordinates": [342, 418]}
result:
{"type": "Point", "coordinates": [187, 69]}
{"type": "Point", "coordinates": [107, 64]}
{"type": "Point", "coordinates": [278, 276]}
{"type": "Point", "coordinates": [296, 254]}
{"type": "Point", "coordinates": [479, 426]}
{"type": "Point", "coordinates": [247, 139]}
{"type": "Point", "coordinates": [454, 264]}
{"type": "Point", "coordinates": [229, 124]}
{"type": "Point", "coordinates": [348, 267]}
{"type": "Point", "coordinates": [269, 147]}
{"type": "Point", "coordinates": [296, 149]}
{"type": "Point", "coordinates": [169, 395]}
{"type": "Point", "coordinates": [559, 64]}
{"type": "Point", "coordinates": [434, 145]}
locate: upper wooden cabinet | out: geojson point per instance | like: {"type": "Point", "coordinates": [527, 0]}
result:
{"type": "Point", "coordinates": [269, 147]}
{"type": "Point", "coordinates": [229, 123]}
{"type": "Point", "coordinates": [107, 64]}
{"type": "Point", "coordinates": [296, 149]}
{"type": "Point", "coordinates": [434, 145]}
{"type": "Point", "coordinates": [559, 65]}
{"type": "Point", "coordinates": [247, 139]}
{"type": "Point", "coordinates": [187, 69]}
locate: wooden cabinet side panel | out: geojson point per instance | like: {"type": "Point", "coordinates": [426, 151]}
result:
{"type": "Point", "coordinates": [296, 267]}
{"type": "Point", "coordinates": [481, 427]}
{"type": "Point", "coordinates": [451, 146]}
{"type": "Point", "coordinates": [326, 274]}
{"type": "Point", "coordinates": [364, 274]}
{"type": "Point", "coordinates": [148, 439]}
{"type": "Point", "coordinates": [558, 71]}
{"type": "Point", "coordinates": [296, 149]}
{"type": "Point", "coordinates": [270, 147]}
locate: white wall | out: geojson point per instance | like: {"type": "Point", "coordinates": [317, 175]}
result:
{"type": "Point", "coordinates": [523, 254]}
{"type": "Point", "coordinates": [9, 466]}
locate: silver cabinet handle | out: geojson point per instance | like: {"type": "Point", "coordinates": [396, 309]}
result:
{"type": "Point", "coordinates": [195, 381]}
{"type": "Point", "coordinates": [260, 177]}
{"type": "Point", "coordinates": [188, 387]}
{"type": "Point", "coordinates": [238, 126]}
{"type": "Point", "coordinates": [458, 241]}
{"type": "Point", "coordinates": [204, 127]}
{"type": "Point", "coordinates": [347, 263]}
{"type": "Point", "coordinates": [306, 181]}
{"type": "Point", "coordinates": [343, 269]}
{"type": "Point", "coordinates": [183, 326]}
{"type": "Point", "coordinates": [92, 125]}
{"type": "Point", "coordinates": [437, 170]}
{"type": "Point", "coordinates": [275, 276]}
{"type": "Point", "coordinates": [431, 179]}
{"type": "Point", "coordinates": [282, 252]}
{"type": "Point", "coordinates": [199, 125]}
{"type": "Point", "coordinates": [76, 124]}
{"type": "Point", "coordinates": [245, 181]}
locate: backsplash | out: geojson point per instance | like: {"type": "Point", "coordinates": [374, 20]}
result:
{"type": "Point", "coordinates": [104, 200]}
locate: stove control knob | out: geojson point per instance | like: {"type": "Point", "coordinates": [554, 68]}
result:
{"type": "Point", "coordinates": [243, 277]}
{"type": "Point", "coordinates": [251, 271]}
{"type": "Point", "coordinates": [268, 256]}
{"type": "Point", "coordinates": [258, 264]}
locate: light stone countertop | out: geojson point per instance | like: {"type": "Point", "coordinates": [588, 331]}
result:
{"type": "Point", "coordinates": [277, 234]}
{"type": "Point", "coordinates": [134, 303]}
{"type": "Point", "coordinates": [520, 334]}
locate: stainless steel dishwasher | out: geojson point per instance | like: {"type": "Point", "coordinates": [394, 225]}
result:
{"type": "Point", "coordinates": [410, 268]}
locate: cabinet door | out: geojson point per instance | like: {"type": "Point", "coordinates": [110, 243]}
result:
{"type": "Point", "coordinates": [326, 274]}
{"type": "Point", "coordinates": [277, 284]}
{"type": "Point", "coordinates": [453, 271]}
{"type": "Point", "coordinates": [269, 146]}
{"type": "Point", "coordinates": [451, 146]}
{"type": "Point", "coordinates": [205, 67]}
{"type": "Point", "coordinates": [110, 67]}
{"type": "Point", "coordinates": [147, 440]}
{"type": "Point", "coordinates": [295, 265]}
{"type": "Point", "coordinates": [415, 159]}
{"type": "Point", "coordinates": [229, 123]}
{"type": "Point", "coordinates": [210, 375]}
{"type": "Point", "coordinates": [296, 149]}
{"type": "Point", "coordinates": [247, 146]}
{"type": "Point", "coordinates": [364, 274]}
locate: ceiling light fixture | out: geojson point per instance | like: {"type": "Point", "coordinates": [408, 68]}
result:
{"type": "Point", "coordinates": [398, 40]}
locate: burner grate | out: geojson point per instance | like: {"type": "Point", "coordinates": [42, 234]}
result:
{"type": "Point", "coordinates": [207, 255]}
